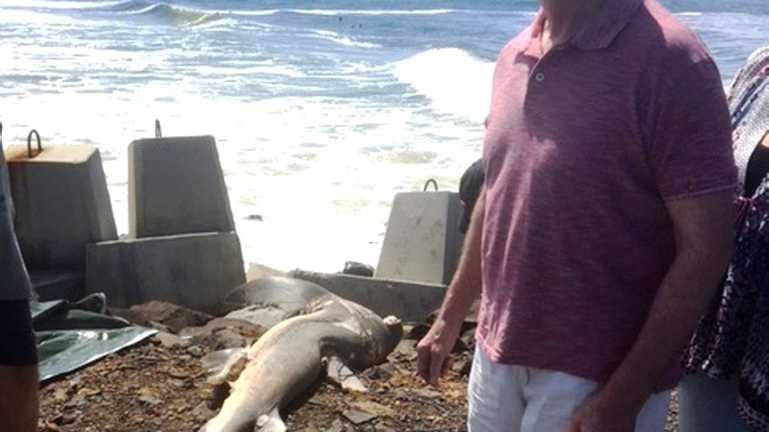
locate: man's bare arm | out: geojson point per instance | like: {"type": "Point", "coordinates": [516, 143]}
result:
{"type": "Point", "coordinates": [463, 290]}
{"type": "Point", "coordinates": [704, 234]}
{"type": "Point", "coordinates": [19, 398]}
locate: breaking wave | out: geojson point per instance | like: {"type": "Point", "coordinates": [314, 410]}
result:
{"type": "Point", "coordinates": [454, 80]}
{"type": "Point", "coordinates": [181, 13]}
{"type": "Point", "coordinates": [334, 12]}
{"type": "Point", "coordinates": [177, 15]}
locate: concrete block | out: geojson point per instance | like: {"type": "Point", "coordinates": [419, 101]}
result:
{"type": "Point", "coordinates": [193, 270]}
{"type": "Point", "coordinates": [62, 203]}
{"type": "Point", "coordinates": [176, 186]}
{"type": "Point", "coordinates": [422, 242]}
{"type": "Point", "coordinates": [409, 301]}
{"type": "Point", "coordinates": [5, 179]}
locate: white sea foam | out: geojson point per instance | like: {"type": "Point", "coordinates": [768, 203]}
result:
{"type": "Point", "coordinates": [264, 12]}
{"type": "Point", "coordinates": [45, 4]}
{"type": "Point", "coordinates": [343, 40]}
{"type": "Point", "coordinates": [454, 80]}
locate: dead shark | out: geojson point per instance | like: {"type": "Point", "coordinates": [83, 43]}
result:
{"type": "Point", "coordinates": [287, 360]}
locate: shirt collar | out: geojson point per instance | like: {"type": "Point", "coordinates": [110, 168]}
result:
{"type": "Point", "coordinates": [600, 30]}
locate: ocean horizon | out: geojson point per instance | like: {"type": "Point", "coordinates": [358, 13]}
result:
{"type": "Point", "coordinates": [322, 111]}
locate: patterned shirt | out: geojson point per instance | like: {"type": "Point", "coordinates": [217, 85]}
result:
{"type": "Point", "coordinates": [732, 340]}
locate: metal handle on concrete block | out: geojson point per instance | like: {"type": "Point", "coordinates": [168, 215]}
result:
{"type": "Point", "coordinates": [29, 144]}
{"type": "Point", "coordinates": [431, 182]}
{"type": "Point", "coordinates": [158, 132]}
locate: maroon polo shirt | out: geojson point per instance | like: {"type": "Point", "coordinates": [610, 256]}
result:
{"type": "Point", "coordinates": [584, 146]}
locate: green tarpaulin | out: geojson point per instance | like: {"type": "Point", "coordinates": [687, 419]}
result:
{"type": "Point", "coordinates": [68, 339]}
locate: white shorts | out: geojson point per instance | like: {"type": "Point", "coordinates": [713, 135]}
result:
{"type": "Point", "coordinates": [505, 398]}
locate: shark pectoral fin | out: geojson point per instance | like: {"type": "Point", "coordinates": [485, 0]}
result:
{"type": "Point", "coordinates": [270, 423]}
{"type": "Point", "coordinates": [225, 365]}
{"type": "Point", "coordinates": [339, 373]}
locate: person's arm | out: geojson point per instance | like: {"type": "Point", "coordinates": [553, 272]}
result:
{"type": "Point", "coordinates": [464, 289]}
{"type": "Point", "coordinates": [704, 234]}
{"type": "Point", "coordinates": [19, 403]}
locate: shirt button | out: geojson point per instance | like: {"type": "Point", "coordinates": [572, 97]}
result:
{"type": "Point", "coordinates": [539, 77]}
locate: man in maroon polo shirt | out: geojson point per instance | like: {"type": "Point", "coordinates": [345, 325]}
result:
{"type": "Point", "coordinates": [604, 225]}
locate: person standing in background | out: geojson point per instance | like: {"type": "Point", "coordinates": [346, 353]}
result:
{"type": "Point", "coordinates": [603, 227]}
{"type": "Point", "coordinates": [727, 388]}
{"type": "Point", "coordinates": [18, 351]}
{"type": "Point", "coordinates": [470, 185]}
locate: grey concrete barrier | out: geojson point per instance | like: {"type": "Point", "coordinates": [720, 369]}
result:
{"type": "Point", "coordinates": [422, 242]}
{"type": "Point", "coordinates": [191, 270]}
{"type": "Point", "coordinates": [176, 186]}
{"type": "Point", "coordinates": [409, 301]}
{"type": "Point", "coordinates": [62, 203]}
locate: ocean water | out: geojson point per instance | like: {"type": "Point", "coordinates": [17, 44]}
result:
{"type": "Point", "coordinates": [322, 110]}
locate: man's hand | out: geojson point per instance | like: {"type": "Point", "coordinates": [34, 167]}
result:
{"type": "Point", "coordinates": [434, 348]}
{"type": "Point", "coordinates": [598, 414]}
{"type": "Point", "coordinates": [463, 290]}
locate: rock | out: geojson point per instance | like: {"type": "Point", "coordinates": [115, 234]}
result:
{"type": "Point", "coordinates": [416, 332]}
{"type": "Point", "coordinates": [357, 417]}
{"type": "Point", "coordinates": [159, 327]}
{"type": "Point", "coordinates": [379, 427]}
{"type": "Point", "coordinates": [195, 351]}
{"type": "Point", "coordinates": [88, 392]}
{"type": "Point", "coordinates": [468, 339]}
{"type": "Point", "coordinates": [61, 394]}
{"type": "Point", "coordinates": [465, 342]}
{"type": "Point", "coordinates": [427, 393]}
{"type": "Point", "coordinates": [462, 366]}
{"type": "Point", "coordinates": [76, 401]}
{"type": "Point", "coordinates": [407, 348]}
{"type": "Point", "coordinates": [50, 427]}
{"type": "Point", "coordinates": [336, 426]}
{"type": "Point", "coordinates": [168, 340]}
{"type": "Point", "coordinates": [69, 418]}
{"type": "Point", "coordinates": [358, 269]}
{"type": "Point", "coordinates": [173, 316]}
{"type": "Point", "coordinates": [178, 373]}
{"type": "Point", "coordinates": [225, 339]}
{"type": "Point", "coordinates": [242, 327]}
{"type": "Point", "coordinates": [224, 333]}
{"type": "Point", "coordinates": [381, 372]}
{"type": "Point", "coordinates": [146, 396]}
{"type": "Point", "coordinates": [203, 412]}
{"type": "Point", "coordinates": [373, 408]}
